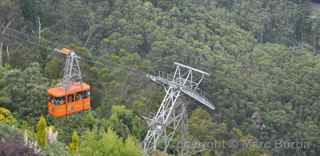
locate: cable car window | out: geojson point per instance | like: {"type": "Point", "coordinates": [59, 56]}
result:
{"type": "Point", "coordinates": [50, 99]}
{"type": "Point", "coordinates": [87, 94]}
{"type": "Point", "coordinates": [53, 100]}
{"type": "Point", "coordinates": [78, 97]}
{"type": "Point", "coordinates": [70, 98]}
{"type": "Point", "coordinates": [58, 100]}
{"type": "Point", "coordinates": [81, 95]}
{"type": "Point", "coordinates": [84, 94]}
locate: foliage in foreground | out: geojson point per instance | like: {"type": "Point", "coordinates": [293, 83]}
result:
{"type": "Point", "coordinates": [6, 117]}
{"type": "Point", "coordinates": [12, 143]}
{"type": "Point", "coordinates": [42, 134]}
{"type": "Point", "coordinates": [95, 143]}
{"type": "Point", "coordinates": [262, 55]}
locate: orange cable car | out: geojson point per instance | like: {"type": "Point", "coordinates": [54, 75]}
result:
{"type": "Point", "coordinates": [73, 95]}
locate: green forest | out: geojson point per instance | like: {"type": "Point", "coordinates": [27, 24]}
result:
{"type": "Point", "coordinates": [262, 56]}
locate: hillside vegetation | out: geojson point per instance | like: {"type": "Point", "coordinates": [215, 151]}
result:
{"type": "Point", "coordinates": [263, 57]}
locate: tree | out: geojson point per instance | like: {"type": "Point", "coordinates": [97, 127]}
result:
{"type": "Point", "coordinates": [75, 142]}
{"type": "Point", "coordinates": [258, 53]}
{"type": "Point", "coordinates": [6, 117]}
{"type": "Point", "coordinates": [41, 135]}
{"type": "Point", "coordinates": [16, 149]}
{"type": "Point", "coordinates": [251, 151]}
{"type": "Point", "coordinates": [4, 99]}
{"type": "Point", "coordinates": [13, 13]}
{"type": "Point", "coordinates": [53, 68]}
{"type": "Point", "coordinates": [57, 149]}
{"type": "Point", "coordinates": [108, 143]}
{"type": "Point", "coordinates": [10, 134]}
{"type": "Point", "coordinates": [204, 128]}
{"type": "Point", "coordinates": [27, 91]}
{"type": "Point", "coordinates": [208, 154]}
{"type": "Point", "coordinates": [132, 147]}
{"type": "Point", "coordinates": [12, 143]}
{"type": "Point", "coordinates": [89, 145]}
{"type": "Point", "coordinates": [29, 9]}
{"type": "Point", "coordinates": [124, 122]}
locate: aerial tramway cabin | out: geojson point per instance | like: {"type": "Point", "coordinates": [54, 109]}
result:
{"type": "Point", "coordinates": [64, 101]}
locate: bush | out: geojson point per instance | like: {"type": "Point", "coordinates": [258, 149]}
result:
{"type": "Point", "coordinates": [6, 117]}
{"type": "Point", "coordinates": [15, 149]}
{"type": "Point", "coordinates": [12, 143]}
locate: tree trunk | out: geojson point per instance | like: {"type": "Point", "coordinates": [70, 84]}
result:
{"type": "Point", "coordinates": [8, 56]}
{"type": "Point", "coordinates": [1, 50]}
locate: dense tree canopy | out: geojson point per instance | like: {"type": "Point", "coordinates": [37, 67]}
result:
{"type": "Point", "coordinates": [263, 57]}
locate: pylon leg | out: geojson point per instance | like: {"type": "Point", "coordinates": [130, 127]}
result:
{"type": "Point", "coordinates": [164, 118]}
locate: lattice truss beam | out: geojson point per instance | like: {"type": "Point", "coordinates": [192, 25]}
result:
{"type": "Point", "coordinates": [172, 114]}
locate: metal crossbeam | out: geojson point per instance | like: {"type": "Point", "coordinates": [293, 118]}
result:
{"type": "Point", "coordinates": [172, 115]}
{"type": "Point", "coordinates": [194, 69]}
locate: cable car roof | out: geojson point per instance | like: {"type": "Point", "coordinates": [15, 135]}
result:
{"type": "Point", "coordinates": [64, 51]}
{"type": "Point", "coordinates": [74, 88]}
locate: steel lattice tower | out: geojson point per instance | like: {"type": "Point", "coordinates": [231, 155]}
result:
{"type": "Point", "coordinates": [172, 113]}
{"type": "Point", "coordinates": [71, 71]}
